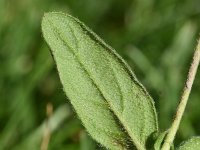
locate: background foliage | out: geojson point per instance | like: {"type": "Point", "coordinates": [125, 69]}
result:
{"type": "Point", "coordinates": [156, 38]}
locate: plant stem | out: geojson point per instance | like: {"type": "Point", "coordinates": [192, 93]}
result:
{"type": "Point", "coordinates": [183, 101]}
{"type": "Point", "coordinates": [47, 130]}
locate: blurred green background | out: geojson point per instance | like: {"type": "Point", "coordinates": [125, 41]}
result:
{"type": "Point", "coordinates": [156, 37]}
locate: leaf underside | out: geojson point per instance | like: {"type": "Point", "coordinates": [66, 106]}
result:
{"type": "Point", "coordinates": [113, 106]}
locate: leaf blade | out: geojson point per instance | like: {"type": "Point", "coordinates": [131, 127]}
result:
{"type": "Point", "coordinates": [85, 63]}
{"type": "Point", "coordinates": [191, 144]}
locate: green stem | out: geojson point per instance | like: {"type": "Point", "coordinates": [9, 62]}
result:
{"type": "Point", "coordinates": [184, 98]}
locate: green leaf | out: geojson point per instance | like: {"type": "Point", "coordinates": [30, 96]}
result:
{"type": "Point", "coordinates": [159, 140]}
{"type": "Point", "coordinates": [113, 106]}
{"type": "Point", "coordinates": [191, 144]}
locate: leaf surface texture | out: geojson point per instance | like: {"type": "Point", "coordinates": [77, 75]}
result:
{"type": "Point", "coordinates": [191, 144]}
{"type": "Point", "coordinates": [113, 106]}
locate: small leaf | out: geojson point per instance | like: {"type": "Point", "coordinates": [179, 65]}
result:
{"type": "Point", "coordinates": [159, 140]}
{"type": "Point", "coordinates": [191, 144]}
{"type": "Point", "coordinates": [113, 106]}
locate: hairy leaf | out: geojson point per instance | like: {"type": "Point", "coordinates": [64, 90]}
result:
{"type": "Point", "coordinates": [113, 106]}
{"type": "Point", "coordinates": [191, 144]}
{"type": "Point", "coordinates": [159, 140]}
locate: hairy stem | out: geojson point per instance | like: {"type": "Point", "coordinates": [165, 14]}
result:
{"type": "Point", "coordinates": [183, 101]}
